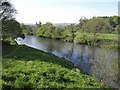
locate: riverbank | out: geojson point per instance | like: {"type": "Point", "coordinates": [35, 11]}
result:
{"type": "Point", "coordinates": [25, 67]}
{"type": "Point", "coordinates": [100, 40]}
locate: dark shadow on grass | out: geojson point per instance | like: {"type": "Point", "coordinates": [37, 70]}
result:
{"type": "Point", "coordinates": [23, 52]}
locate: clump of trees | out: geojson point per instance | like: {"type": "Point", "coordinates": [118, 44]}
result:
{"type": "Point", "coordinates": [87, 31]}
{"type": "Point", "coordinates": [101, 24]}
{"type": "Point", "coordinates": [49, 30]}
{"type": "Point", "coordinates": [30, 29]}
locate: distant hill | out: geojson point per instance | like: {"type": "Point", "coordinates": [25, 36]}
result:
{"type": "Point", "coordinates": [62, 24]}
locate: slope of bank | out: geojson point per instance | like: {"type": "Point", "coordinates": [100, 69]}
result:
{"type": "Point", "coordinates": [25, 67]}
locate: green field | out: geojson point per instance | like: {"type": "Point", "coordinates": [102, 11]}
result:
{"type": "Point", "coordinates": [112, 37]}
{"type": "Point", "coordinates": [25, 67]}
{"type": "Point", "coordinates": [107, 40]}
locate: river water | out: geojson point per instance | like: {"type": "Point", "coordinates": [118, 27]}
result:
{"type": "Point", "coordinates": [99, 62]}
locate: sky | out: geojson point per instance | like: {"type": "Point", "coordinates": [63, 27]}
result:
{"type": "Point", "coordinates": [62, 11]}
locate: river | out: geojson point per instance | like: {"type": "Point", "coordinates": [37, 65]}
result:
{"type": "Point", "coordinates": [99, 62]}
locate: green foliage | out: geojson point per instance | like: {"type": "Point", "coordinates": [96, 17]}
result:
{"type": "Point", "coordinates": [83, 38]}
{"type": "Point", "coordinates": [38, 74]}
{"type": "Point", "coordinates": [10, 29]}
{"type": "Point", "coordinates": [114, 21]}
{"type": "Point", "coordinates": [26, 29]}
{"type": "Point", "coordinates": [11, 42]}
{"type": "Point", "coordinates": [87, 38]}
{"type": "Point", "coordinates": [46, 30]}
{"type": "Point", "coordinates": [68, 34]}
{"type": "Point", "coordinates": [94, 31]}
{"type": "Point", "coordinates": [41, 31]}
{"type": "Point", "coordinates": [117, 28]}
{"type": "Point", "coordinates": [37, 69]}
{"type": "Point", "coordinates": [96, 25]}
{"type": "Point", "coordinates": [82, 21]}
{"type": "Point", "coordinates": [57, 33]}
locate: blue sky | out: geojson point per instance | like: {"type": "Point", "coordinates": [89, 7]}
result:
{"type": "Point", "coordinates": [62, 11]}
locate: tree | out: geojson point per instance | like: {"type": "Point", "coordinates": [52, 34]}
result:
{"type": "Point", "coordinates": [68, 34]}
{"type": "Point", "coordinates": [7, 11]}
{"type": "Point", "coordinates": [46, 30]}
{"type": "Point", "coordinates": [11, 29]}
{"type": "Point", "coordinates": [117, 29]}
{"type": "Point", "coordinates": [39, 24]}
{"type": "Point", "coordinates": [114, 21]}
{"type": "Point", "coordinates": [95, 26]}
{"type": "Point", "coordinates": [56, 34]}
{"type": "Point", "coordinates": [26, 29]}
{"type": "Point", "coordinates": [82, 21]}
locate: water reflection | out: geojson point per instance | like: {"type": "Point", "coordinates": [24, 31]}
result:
{"type": "Point", "coordinates": [99, 62]}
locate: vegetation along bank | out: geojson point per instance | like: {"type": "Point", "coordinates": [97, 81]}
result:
{"type": "Point", "coordinates": [25, 67]}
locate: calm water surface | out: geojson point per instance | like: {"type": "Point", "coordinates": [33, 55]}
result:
{"type": "Point", "coordinates": [99, 62]}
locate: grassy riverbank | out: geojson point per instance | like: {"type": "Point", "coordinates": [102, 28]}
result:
{"type": "Point", "coordinates": [100, 39]}
{"type": "Point", "coordinates": [98, 36]}
{"type": "Point", "coordinates": [25, 67]}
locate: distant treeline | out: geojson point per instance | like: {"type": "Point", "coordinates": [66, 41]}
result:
{"type": "Point", "coordinates": [88, 31]}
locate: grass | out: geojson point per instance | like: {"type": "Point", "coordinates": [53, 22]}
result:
{"type": "Point", "coordinates": [25, 67]}
{"type": "Point", "coordinates": [102, 40]}
{"type": "Point", "coordinates": [100, 36]}
{"type": "Point", "coordinates": [113, 37]}
{"type": "Point", "coordinates": [28, 53]}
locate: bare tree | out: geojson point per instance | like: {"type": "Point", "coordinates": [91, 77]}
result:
{"type": "Point", "coordinates": [38, 24]}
